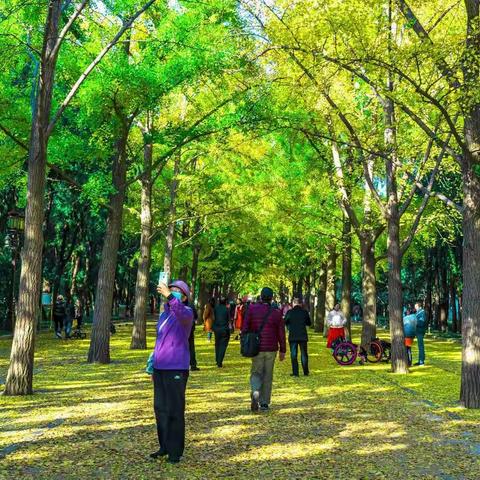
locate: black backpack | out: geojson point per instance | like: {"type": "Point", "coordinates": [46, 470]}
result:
{"type": "Point", "coordinates": [250, 341]}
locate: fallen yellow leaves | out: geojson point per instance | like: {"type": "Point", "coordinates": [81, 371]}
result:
{"type": "Point", "coordinates": [356, 422]}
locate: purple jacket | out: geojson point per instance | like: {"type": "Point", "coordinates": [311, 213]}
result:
{"type": "Point", "coordinates": [173, 329]}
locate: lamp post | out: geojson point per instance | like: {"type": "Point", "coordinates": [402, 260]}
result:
{"type": "Point", "coordinates": [15, 229]}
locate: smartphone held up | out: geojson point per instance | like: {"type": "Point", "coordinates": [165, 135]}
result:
{"type": "Point", "coordinates": [163, 278]}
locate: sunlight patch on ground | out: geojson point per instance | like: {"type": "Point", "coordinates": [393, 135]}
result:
{"type": "Point", "coordinates": [288, 451]}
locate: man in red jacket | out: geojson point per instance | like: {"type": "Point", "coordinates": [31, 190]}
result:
{"type": "Point", "coordinates": [272, 338]}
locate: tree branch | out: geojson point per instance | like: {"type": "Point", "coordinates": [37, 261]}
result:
{"type": "Point", "coordinates": [92, 65]}
{"type": "Point", "coordinates": [13, 137]}
{"type": "Point", "coordinates": [428, 191]}
{"type": "Point", "coordinates": [349, 127]}
{"type": "Point", "coordinates": [345, 201]}
{"type": "Point", "coordinates": [67, 27]}
{"type": "Point", "coordinates": [418, 28]}
{"type": "Point", "coordinates": [408, 200]}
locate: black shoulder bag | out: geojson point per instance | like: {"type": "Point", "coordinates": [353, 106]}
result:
{"type": "Point", "coordinates": [250, 341]}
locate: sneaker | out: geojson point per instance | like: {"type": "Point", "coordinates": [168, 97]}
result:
{"type": "Point", "coordinates": [254, 405]}
{"type": "Point", "coordinates": [419, 364]}
{"type": "Point", "coordinates": [294, 374]}
{"type": "Point", "coordinates": [58, 335]}
{"type": "Point", "coordinates": [158, 453]}
{"type": "Point", "coordinates": [264, 407]}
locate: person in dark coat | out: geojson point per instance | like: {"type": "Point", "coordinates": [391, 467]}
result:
{"type": "Point", "coordinates": [297, 320]}
{"type": "Point", "coordinates": [191, 340]}
{"type": "Point", "coordinates": [420, 332]}
{"type": "Point", "coordinates": [59, 314]}
{"type": "Point", "coordinates": [69, 316]}
{"type": "Point", "coordinates": [221, 329]}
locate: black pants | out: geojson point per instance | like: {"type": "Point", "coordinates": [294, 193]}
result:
{"type": "Point", "coordinates": [409, 356]}
{"type": "Point", "coordinates": [169, 403]}
{"type": "Point", "coordinates": [304, 356]}
{"type": "Point", "coordinates": [222, 337]}
{"type": "Point", "coordinates": [58, 321]}
{"type": "Point", "coordinates": [191, 344]}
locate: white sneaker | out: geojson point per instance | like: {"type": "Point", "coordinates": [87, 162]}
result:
{"type": "Point", "coordinates": [254, 405]}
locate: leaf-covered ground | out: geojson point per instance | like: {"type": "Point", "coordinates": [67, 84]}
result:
{"type": "Point", "coordinates": [360, 422]}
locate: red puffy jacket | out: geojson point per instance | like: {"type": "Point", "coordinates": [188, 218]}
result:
{"type": "Point", "coordinates": [273, 333]}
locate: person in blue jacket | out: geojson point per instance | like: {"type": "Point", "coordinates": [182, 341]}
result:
{"type": "Point", "coordinates": [420, 333]}
{"type": "Point", "coordinates": [409, 331]}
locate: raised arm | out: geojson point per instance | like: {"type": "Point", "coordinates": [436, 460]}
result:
{"type": "Point", "coordinates": [183, 313]}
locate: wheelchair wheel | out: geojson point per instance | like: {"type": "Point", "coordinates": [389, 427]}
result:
{"type": "Point", "coordinates": [374, 352]}
{"type": "Point", "coordinates": [345, 353]}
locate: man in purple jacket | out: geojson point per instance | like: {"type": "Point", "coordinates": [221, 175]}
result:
{"type": "Point", "coordinates": [171, 361]}
{"type": "Point", "coordinates": [272, 338]}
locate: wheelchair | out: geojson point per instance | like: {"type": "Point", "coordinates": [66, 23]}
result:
{"type": "Point", "coordinates": [345, 352]}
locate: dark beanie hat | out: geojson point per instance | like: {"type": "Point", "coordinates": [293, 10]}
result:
{"type": "Point", "coordinates": [266, 293]}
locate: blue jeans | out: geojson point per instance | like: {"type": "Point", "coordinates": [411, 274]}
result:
{"type": "Point", "coordinates": [68, 327]}
{"type": "Point", "coordinates": [421, 348]}
{"type": "Point", "coordinates": [303, 355]}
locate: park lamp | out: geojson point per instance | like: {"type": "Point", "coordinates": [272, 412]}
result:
{"type": "Point", "coordinates": [15, 221]}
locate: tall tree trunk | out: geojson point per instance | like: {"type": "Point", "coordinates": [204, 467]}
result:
{"type": "Point", "coordinates": [429, 286]}
{"type": "Point", "coordinates": [203, 297]}
{"type": "Point", "coordinates": [346, 302]}
{"type": "Point", "coordinates": [444, 292]}
{"type": "Point", "coordinates": [20, 372]}
{"type": "Point", "coordinates": [75, 270]}
{"type": "Point", "coordinates": [394, 254]}
{"type": "Point", "coordinates": [453, 303]}
{"type": "Point", "coordinates": [100, 342]}
{"type": "Point", "coordinates": [139, 332]}
{"type": "Point", "coordinates": [282, 292]}
{"type": "Point", "coordinates": [436, 292]}
{"type": "Point", "coordinates": [308, 288]}
{"type": "Point", "coordinates": [300, 286]}
{"type": "Point", "coordinates": [395, 300]}
{"type": "Point", "coordinates": [195, 259]}
{"type": "Point", "coordinates": [321, 296]}
{"type": "Point", "coordinates": [331, 298]}
{"type": "Point", "coordinates": [330, 292]}
{"type": "Point", "coordinates": [369, 292]}
{"type": "Point", "coordinates": [470, 384]}
{"type": "Point", "coordinates": [167, 260]}
{"type": "Point", "coordinates": [183, 273]}
{"type": "Point", "coordinates": [312, 297]}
